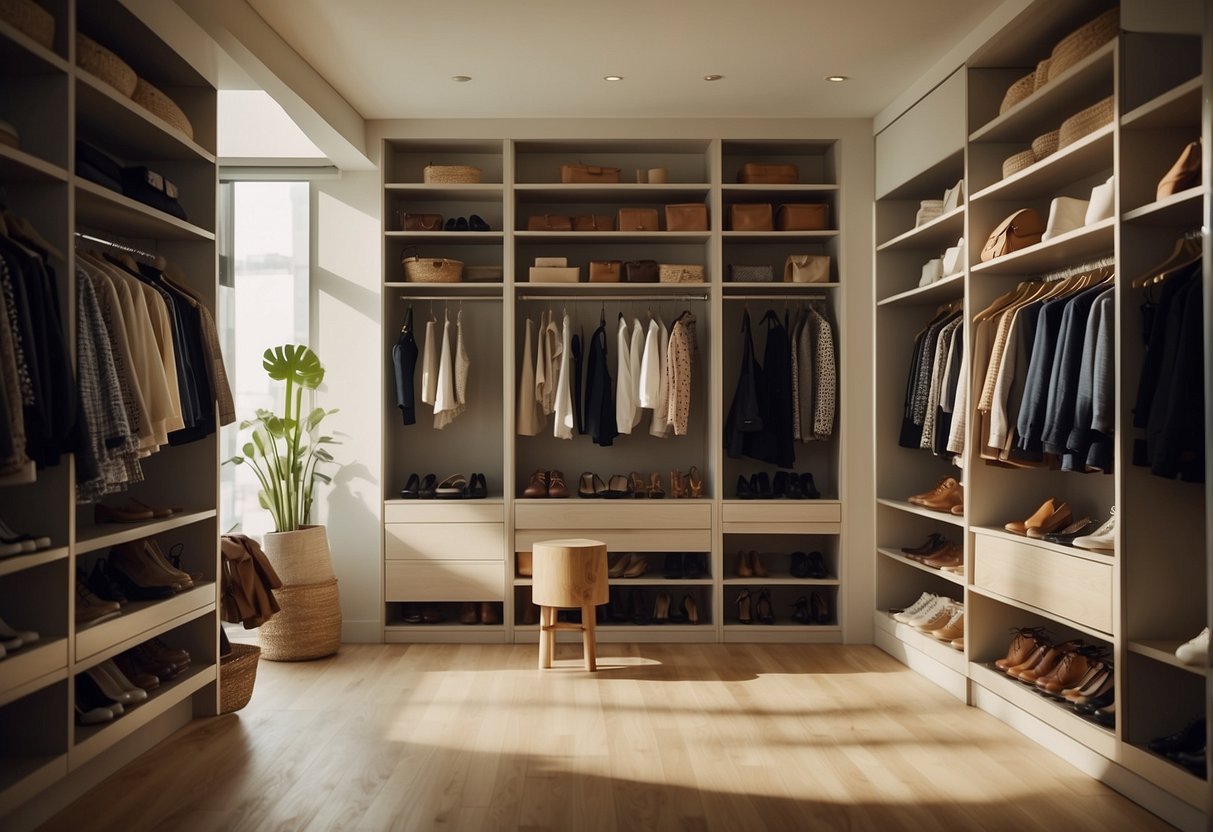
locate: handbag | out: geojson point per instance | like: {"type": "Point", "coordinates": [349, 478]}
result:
{"type": "Point", "coordinates": [759, 173]}
{"type": "Point", "coordinates": [432, 270]}
{"type": "Point", "coordinates": [1020, 230]}
{"type": "Point", "coordinates": [549, 222]}
{"type": "Point", "coordinates": [688, 217]}
{"type": "Point", "coordinates": [679, 273]}
{"type": "Point", "coordinates": [638, 219]}
{"type": "Point", "coordinates": [807, 268]}
{"type": "Point", "coordinates": [605, 271]}
{"type": "Point", "coordinates": [640, 271]}
{"type": "Point", "coordinates": [807, 216]}
{"type": "Point", "coordinates": [593, 222]}
{"type": "Point", "coordinates": [1184, 174]}
{"type": "Point", "coordinates": [420, 222]}
{"type": "Point", "coordinates": [554, 274]}
{"type": "Point", "coordinates": [751, 217]}
{"type": "Point", "coordinates": [588, 174]}
{"type": "Point", "coordinates": [751, 274]}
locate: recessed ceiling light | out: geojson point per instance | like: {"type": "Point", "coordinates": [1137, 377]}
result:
{"type": "Point", "coordinates": [837, 78]}
{"type": "Point", "coordinates": [612, 78]}
{"type": "Point", "coordinates": [461, 78]}
{"type": "Point", "coordinates": [712, 77]}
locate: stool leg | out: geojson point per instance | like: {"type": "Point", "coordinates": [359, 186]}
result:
{"type": "Point", "coordinates": [547, 636]}
{"type": "Point", "coordinates": [587, 636]}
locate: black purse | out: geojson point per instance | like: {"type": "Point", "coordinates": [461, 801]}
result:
{"type": "Point", "coordinates": [641, 271]}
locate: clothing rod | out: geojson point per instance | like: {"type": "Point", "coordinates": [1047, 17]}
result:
{"type": "Point", "coordinates": [119, 246]}
{"type": "Point", "coordinates": [610, 298]}
{"type": "Point", "coordinates": [451, 298]}
{"type": "Point", "coordinates": [776, 297]}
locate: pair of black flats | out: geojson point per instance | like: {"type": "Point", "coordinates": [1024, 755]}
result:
{"type": "Point", "coordinates": [454, 487]}
{"type": "Point", "coordinates": [786, 485]}
{"type": "Point", "coordinates": [472, 223]}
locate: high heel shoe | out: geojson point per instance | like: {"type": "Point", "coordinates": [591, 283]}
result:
{"type": "Point", "coordinates": [760, 571]}
{"type": "Point", "coordinates": [637, 567]}
{"type": "Point", "coordinates": [618, 564]}
{"type": "Point", "coordinates": [691, 609]}
{"type": "Point", "coordinates": [743, 607]}
{"type": "Point", "coordinates": [744, 569]}
{"type": "Point", "coordinates": [800, 613]}
{"type": "Point", "coordinates": [678, 484]}
{"type": "Point", "coordinates": [656, 492]}
{"type": "Point", "coordinates": [763, 609]}
{"type": "Point", "coordinates": [661, 608]}
{"type": "Point", "coordinates": [639, 487]}
{"type": "Point", "coordinates": [695, 482]}
{"type": "Point", "coordinates": [590, 486]}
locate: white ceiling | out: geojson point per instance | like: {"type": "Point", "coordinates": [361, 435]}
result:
{"type": "Point", "coordinates": [546, 58]}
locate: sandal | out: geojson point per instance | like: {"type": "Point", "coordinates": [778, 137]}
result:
{"type": "Point", "coordinates": [695, 481]}
{"type": "Point", "coordinates": [590, 485]}
{"type": "Point", "coordinates": [617, 487]}
{"type": "Point", "coordinates": [676, 484]}
{"type": "Point", "coordinates": [639, 488]}
{"type": "Point", "coordinates": [454, 487]}
{"type": "Point", "coordinates": [656, 492]}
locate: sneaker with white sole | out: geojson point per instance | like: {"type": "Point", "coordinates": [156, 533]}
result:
{"type": "Point", "coordinates": [1196, 650]}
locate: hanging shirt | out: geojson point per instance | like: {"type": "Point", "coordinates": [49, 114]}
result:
{"type": "Point", "coordinates": [625, 389]}
{"type": "Point", "coordinates": [659, 425]}
{"type": "Point", "coordinates": [429, 362]}
{"type": "Point", "coordinates": [680, 365]}
{"type": "Point", "coordinates": [599, 404]}
{"type": "Point", "coordinates": [528, 419]}
{"type": "Point", "coordinates": [563, 425]}
{"type": "Point", "coordinates": [404, 363]}
{"type": "Point", "coordinates": [650, 366]}
{"type": "Point", "coordinates": [826, 378]}
{"type": "Point", "coordinates": [460, 370]}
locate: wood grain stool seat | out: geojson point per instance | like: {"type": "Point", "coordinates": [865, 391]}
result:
{"type": "Point", "coordinates": [568, 573]}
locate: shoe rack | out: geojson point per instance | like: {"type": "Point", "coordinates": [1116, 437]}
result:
{"type": "Point", "coordinates": [442, 554]}
{"type": "Point", "coordinates": [51, 102]}
{"type": "Point", "coordinates": [1144, 599]}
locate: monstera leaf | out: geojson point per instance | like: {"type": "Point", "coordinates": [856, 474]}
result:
{"type": "Point", "coordinates": [294, 364]}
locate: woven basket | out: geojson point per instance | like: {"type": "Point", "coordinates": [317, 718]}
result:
{"type": "Point", "coordinates": [432, 270]}
{"type": "Point", "coordinates": [30, 19]}
{"type": "Point", "coordinates": [1083, 41]}
{"type": "Point", "coordinates": [1085, 122]}
{"type": "Point", "coordinates": [1020, 161]}
{"type": "Point", "coordinates": [237, 673]}
{"type": "Point", "coordinates": [160, 105]}
{"type": "Point", "coordinates": [1018, 91]}
{"type": "Point", "coordinates": [450, 174]}
{"type": "Point", "coordinates": [1042, 73]}
{"type": "Point", "coordinates": [1045, 144]}
{"type": "Point", "coordinates": [96, 60]}
{"type": "Point", "coordinates": [301, 556]}
{"type": "Point", "coordinates": [308, 625]}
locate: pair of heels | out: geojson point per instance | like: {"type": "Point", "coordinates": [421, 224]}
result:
{"type": "Point", "coordinates": [786, 485]}
{"type": "Point", "coordinates": [686, 485]}
{"type": "Point", "coordinates": [472, 223]}
{"type": "Point", "coordinates": [749, 565]}
{"type": "Point", "coordinates": [812, 610]}
{"type": "Point", "coordinates": [750, 607]}
{"type": "Point", "coordinates": [685, 613]}
{"type": "Point", "coordinates": [627, 565]}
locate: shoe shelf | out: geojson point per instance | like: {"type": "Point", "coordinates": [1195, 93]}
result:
{"type": "Point", "coordinates": [23, 777]}
{"type": "Point", "coordinates": [19, 167]}
{"type": "Point", "coordinates": [1177, 107]}
{"type": "Point", "coordinates": [939, 233]}
{"type": "Point", "coordinates": [571, 291]}
{"type": "Point", "coordinates": [898, 557]}
{"type": "Point", "coordinates": [1163, 650]}
{"type": "Point", "coordinates": [1179, 209]}
{"type": "Point", "coordinates": [774, 193]}
{"type": "Point", "coordinates": [454, 290]}
{"type": "Point", "coordinates": [544, 237]}
{"type": "Point", "coordinates": [19, 563]}
{"type": "Point", "coordinates": [1085, 157]}
{"type": "Point", "coordinates": [92, 537]}
{"type": "Point", "coordinates": [1064, 250]}
{"type": "Point", "coordinates": [141, 620]}
{"type": "Point", "coordinates": [462, 238]}
{"type": "Point", "coordinates": [32, 668]}
{"type": "Point", "coordinates": [100, 208]}
{"type": "Point", "coordinates": [910, 508]}
{"type": "Point", "coordinates": [778, 236]}
{"type": "Point", "coordinates": [1167, 774]}
{"type": "Point", "coordinates": [941, 291]}
{"type": "Point", "coordinates": [1059, 548]}
{"type": "Point", "coordinates": [940, 651]}
{"type": "Point", "coordinates": [89, 741]}
{"type": "Point", "coordinates": [125, 128]}
{"type": "Point", "coordinates": [1049, 614]}
{"type": "Point", "coordinates": [453, 192]}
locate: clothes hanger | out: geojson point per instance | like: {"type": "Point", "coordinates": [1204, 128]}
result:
{"type": "Point", "coordinates": [1186, 252]}
{"type": "Point", "coordinates": [22, 227]}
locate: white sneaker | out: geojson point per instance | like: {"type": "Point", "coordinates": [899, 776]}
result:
{"type": "Point", "coordinates": [929, 612]}
{"type": "Point", "coordinates": [915, 608]}
{"type": "Point", "coordinates": [1195, 651]}
{"type": "Point", "coordinates": [1102, 539]}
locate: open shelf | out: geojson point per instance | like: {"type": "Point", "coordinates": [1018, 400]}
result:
{"type": "Point", "coordinates": [19, 167]}
{"type": "Point", "coordinates": [777, 236]}
{"type": "Point", "coordinates": [943, 290]}
{"type": "Point", "coordinates": [536, 237]}
{"type": "Point", "coordinates": [454, 238]}
{"type": "Point", "coordinates": [940, 651]}
{"type": "Point", "coordinates": [1180, 209]}
{"type": "Point", "coordinates": [1065, 250]}
{"type": "Point", "coordinates": [939, 233]}
{"type": "Point", "coordinates": [100, 208]}
{"type": "Point", "coordinates": [1011, 602]}
{"type": "Point", "coordinates": [141, 620]}
{"type": "Point", "coordinates": [530, 193]}
{"type": "Point", "coordinates": [780, 580]}
{"type": "Point", "coordinates": [18, 563]}
{"type": "Point", "coordinates": [454, 192]}
{"type": "Point", "coordinates": [941, 516]}
{"type": "Point", "coordinates": [1169, 775]}
{"type": "Point", "coordinates": [1163, 650]}
{"type": "Point", "coordinates": [1085, 157]}
{"type": "Point", "coordinates": [21, 777]}
{"type": "Point", "coordinates": [1177, 107]}
{"type": "Point", "coordinates": [774, 288]}
{"type": "Point", "coordinates": [122, 127]}
{"type": "Point", "coordinates": [94, 537]}
{"type": "Point", "coordinates": [1060, 548]}
{"type": "Point", "coordinates": [29, 57]}
{"type": "Point", "coordinates": [898, 557]}
{"type": "Point", "coordinates": [572, 290]}
{"type": "Point", "coordinates": [31, 668]}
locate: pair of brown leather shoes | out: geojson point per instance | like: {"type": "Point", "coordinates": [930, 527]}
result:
{"type": "Point", "coordinates": [147, 569]}
{"type": "Point", "coordinates": [1052, 516]}
{"type": "Point", "coordinates": [484, 612]}
{"type": "Point", "coordinates": [546, 484]}
{"type": "Point", "coordinates": [947, 495]}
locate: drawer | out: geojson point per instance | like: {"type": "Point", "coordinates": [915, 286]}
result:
{"type": "Point", "coordinates": [443, 511]}
{"type": "Point", "coordinates": [1066, 585]}
{"type": "Point", "coordinates": [626, 540]}
{"type": "Point", "coordinates": [454, 581]}
{"type": "Point", "coordinates": [577, 515]}
{"type": "Point", "coordinates": [780, 513]}
{"type": "Point", "coordinates": [444, 541]}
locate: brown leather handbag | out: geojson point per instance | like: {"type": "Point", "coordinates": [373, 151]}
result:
{"type": "Point", "coordinates": [588, 174]}
{"type": "Point", "coordinates": [638, 219]}
{"type": "Point", "coordinates": [550, 222]}
{"type": "Point", "coordinates": [1184, 174]}
{"type": "Point", "coordinates": [605, 271]}
{"type": "Point", "coordinates": [593, 222]}
{"type": "Point", "coordinates": [811, 216]}
{"type": "Point", "coordinates": [806, 268]}
{"type": "Point", "coordinates": [641, 271]}
{"type": "Point", "coordinates": [687, 217]}
{"type": "Point", "coordinates": [1022, 229]}
{"type": "Point", "coordinates": [751, 217]}
{"type": "Point", "coordinates": [759, 173]}
{"type": "Point", "coordinates": [420, 222]}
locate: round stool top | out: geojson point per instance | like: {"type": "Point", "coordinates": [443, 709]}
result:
{"type": "Point", "coordinates": [569, 573]}
{"type": "Point", "coordinates": [570, 543]}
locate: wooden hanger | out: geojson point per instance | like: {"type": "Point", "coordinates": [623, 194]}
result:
{"type": "Point", "coordinates": [21, 227]}
{"type": "Point", "coordinates": [1186, 252]}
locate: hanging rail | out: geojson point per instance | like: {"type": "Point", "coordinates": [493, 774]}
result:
{"type": "Point", "coordinates": [1072, 271]}
{"type": "Point", "coordinates": [612, 298]}
{"type": "Point", "coordinates": [778, 296]}
{"type": "Point", "coordinates": [112, 244]}
{"type": "Point", "coordinates": [451, 298]}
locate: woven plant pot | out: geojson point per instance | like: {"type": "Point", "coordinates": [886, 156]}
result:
{"type": "Point", "coordinates": [96, 60]}
{"type": "Point", "coordinates": [300, 557]}
{"type": "Point", "coordinates": [308, 625]}
{"type": "Point", "coordinates": [30, 19]}
{"type": "Point", "coordinates": [237, 674]}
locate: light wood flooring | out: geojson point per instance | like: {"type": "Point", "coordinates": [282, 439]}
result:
{"type": "Point", "coordinates": [667, 737]}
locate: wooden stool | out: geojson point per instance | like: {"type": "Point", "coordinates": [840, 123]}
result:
{"type": "Point", "coordinates": [568, 573]}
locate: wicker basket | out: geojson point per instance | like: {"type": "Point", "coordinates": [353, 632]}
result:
{"type": "Point", "coordinates": [450, 174]}
{"type": "Point", "coordinates": [1020, 161]}
{"type": "Point", "coordinates": [1018, 91]}
{"type": "Point", "coordinates": [307, 627]}
{"type": "Point", "coordinates": [160, 105]}
{"type": "Point", "coordinates": [30, 19]}
{"type": "Point", "coordinates": [1083, 41]}
{"type": "Point", "coordinates": [679, 273]}
{"type": "Point", "coordinates": [1042, 73]}
{"type": "Point", "coordinates": [432, 270]}
{"type": "Point", "coordinates": [1045, 144]}
{"type": "Point", "coordinates": [96, 60]}
{"type": "Point", "coordinates": [237, 673]}
{"type": "Point", "coordinates": [1085, 122]}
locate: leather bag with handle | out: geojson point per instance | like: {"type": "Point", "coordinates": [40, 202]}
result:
{"type": "Point", "coordinates": [588, 174]}
{"type": "Point", "coordinates": [638, 219]}
{"type": "Point", "coordinates": [680, 273]}
{"type": "Point", "coordinates": [593, 222]}
{"type": "Point", "coordinates": [605, 271]}
{"type": "Point", "coordinates": [1184, 174]}
{"type": "Point", "coordinates": [549, 222]}
{"type": "Point", "coordinates": [421, 222]}
{"type": "Point", "coordinates": [807, 268]}
{"type": "Point", "coordinates": [806, 216]}
{"type": "Point", "coordinates": [751, 217]}
{"type": "Point", "coordinates": [1022, 229]}
{"type": "Point", "coordinates": [688, 217]}
{"type": "Point", "coordinates": [640, 271]}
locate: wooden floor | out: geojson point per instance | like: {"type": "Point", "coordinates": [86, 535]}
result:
{"type": "Point", "coordinates": [686, 737]}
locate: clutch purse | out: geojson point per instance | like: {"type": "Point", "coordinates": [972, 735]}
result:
{"type": "Point", "coordinates": [751, 274]}
{"type": "Point", "coordinates": [807, 268]}
{"type": "Point", "coordinates": [421, 222]}
{"type": "Point", "coordinates": [679, 273]}
{"type": "Point", "coordinates": [638, 219]}
{"type": "Point", "coordinates": [593, 222]}
{"type": "Point", "coordinates": [758, 173]}
{"type": "Point", "coordinates": [751, 217]}
{"type": "Point", "coordinates": [689, 217]}
{"type": "Point", "coordinates": [640, 271]}
{"type": "Point", "coordinates": [605, 271]}
{"type": "Point", "coordinates": [811, 216]}
{"type": "Point", "coordinates": [549, 222]}
{"type": "Point", "coordinates": [1022, 229]}
{"type": "Point", "coordinates": [588, 174]}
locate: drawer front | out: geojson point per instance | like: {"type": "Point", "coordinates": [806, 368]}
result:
{"type": "Point", "coordinates": [444, 541]}
{"type": "Point", "coordinates": [618, 540]}
{"type": "Point", "coordinates": [580, 514]}
{"type": "Point", "coordinates": [782, 511]}
{"type": "Point", "coordinates": [1073, 587]}
{"type": "Point", "coordinates": [443, 511]}
{"type": "Point", "coordinates": [454, 581]}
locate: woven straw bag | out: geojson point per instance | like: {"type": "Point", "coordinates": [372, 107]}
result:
{"type": "Point", "coordinates": [1085, 122]}
{"type": "Point", "coordinates": [679, 273]}
{"type": "Point", "coordinates": [1020, 161]}
{"type": "Point", "coordinates": [237, 675]}
{"type": "Point", "coordinates": [432, 270]}
{"type": "Point", "coordinates": [450, 175]}
{"type": "Point", "coordinates": [1083, 41]}
{"type": "Point", "coordinates": [30, 19]}
{"type": "Point", "coordinates": [1045, 144]}
{"type": "Point", "coordinates": [1017, 92]}
{"type": "Point", "coordinates": [96, 60]}
{"type": "Point", "coordinates": [160, 105]}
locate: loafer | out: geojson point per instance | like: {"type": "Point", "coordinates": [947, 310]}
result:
{"type": "Point", "coordinates": [478, 487]}
{"type": "Point", "coordinates": [477, 223]}
{"type": "Point", "coordinates": [450, 225]}
{"type": "Point", "coordinates": [411, 488]}
{"type": "Point", "coordinates": [461, 224]}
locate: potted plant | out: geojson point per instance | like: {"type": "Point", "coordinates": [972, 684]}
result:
{"type": "Point", "coordinates": [285, 452]}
